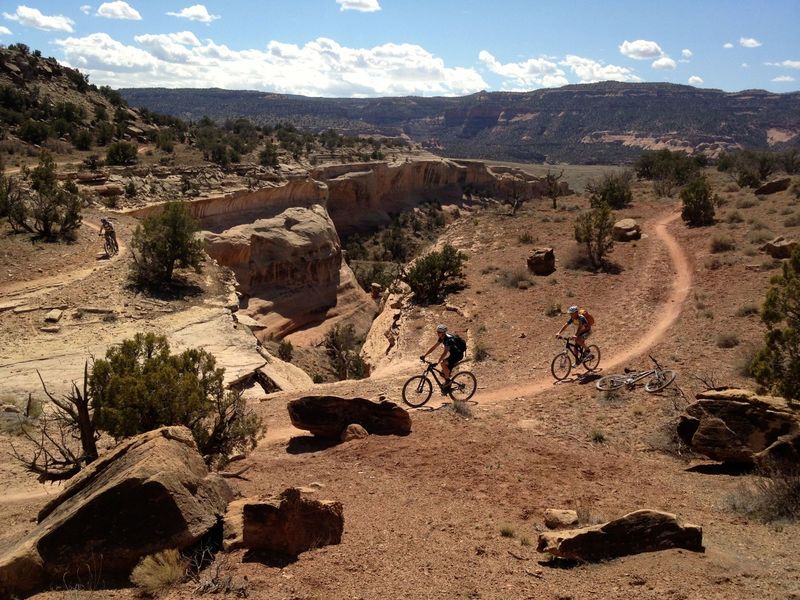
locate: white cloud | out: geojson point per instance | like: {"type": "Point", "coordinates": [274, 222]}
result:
{"type": "Point", "coordinates": [782, 79]}
{"type": "Point", "coordinates": [686, 54]}
{"type": "Point", "coordinates": [118, 10]}
{"type": "Point", "coordinates": [359, 5]}
{"type": "Point", "coordinates": [589, 71]}
{"type": "Point", "coordinates": [695, 80]}
{"type": "Point", "coordinates": [534, 72]}
{"type": "Point", "coordinates": [727, 45]}
{"type": "Point", "coordinates": [749, 42]}
{"type": "Point", "coordinates": [321, 67]}
{"type": "Point", "coordinates": [196, 12]}
{"type": "Point", "coordinates": [664, 63]}
{"type": "Point", "coordinates": [641, 49]}
{"type": "Point", "coordinates": [789, 64]}
{"type": "Point", "coordinates": [745, 66]}
{"type": "Point", "coordinates": [5, 31]}
{"type": "Point", "coordinates": [86, 9]}
{"type": "Point", "coordinates": [32, 17]}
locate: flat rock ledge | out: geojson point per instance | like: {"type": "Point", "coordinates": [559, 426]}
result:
{"type": "Point", "coordinates": [634, 533]}
{"type": "Point", "coordinates": [329, 416]}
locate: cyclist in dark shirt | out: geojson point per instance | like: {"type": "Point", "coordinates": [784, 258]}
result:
{"type": "Point", "coordinates": [583, 331]}
{"type": "Point", "coordinates": [451, 355]}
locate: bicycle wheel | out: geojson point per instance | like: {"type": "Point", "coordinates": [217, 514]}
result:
{"type": "Point", "coordinates": [592, 363]}
{"type": "Point", "coordinates": [463, 386]}
{"type": "Point", "coordinates": [417, 391]}
{"type": "Point", "coordinates": [611, 382]}
{"type": "Point", "coordinates": [660, 380]}
{"type": "Point", "coordinates": [109, 247]}
{"type": "Point", "coordinates": [561, 365]}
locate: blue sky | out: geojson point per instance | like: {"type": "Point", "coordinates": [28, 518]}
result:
{"type": "Point", "coordinates": [414, 47]}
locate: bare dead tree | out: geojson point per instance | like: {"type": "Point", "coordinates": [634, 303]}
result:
{"type": "Point", "coordinates": [72, 420]}
{"type": "Point", "coordinates": [517, 192]}
{"type": "Point", "coordinates": [553, 186]}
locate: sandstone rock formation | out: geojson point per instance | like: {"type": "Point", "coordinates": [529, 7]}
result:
{"type": "Point", "coordinates": [542, 261]}
{"type": "Point", "coordinates": [287, 524]}
{"type": "Point", "coordinates": [772, 187]}
{"type": "Point", "coordinates": [354, 431]}
{"type": "Point", "coordinates": [634, 533]}
{"type": "Point", "coordinates": [738, 426]}
{"type": "Point", "coordinates": [556, 518]}
{"type": "Point", "coordinates": [780, 247]}
{"type": "Point", "coordinates": [626, 230]}
{"type": "Point", "coordinates": [150, 493]}
{"type": "Point", "coordinates": [329, 416]}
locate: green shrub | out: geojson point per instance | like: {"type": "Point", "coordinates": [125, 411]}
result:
{"type": "Point", "coordinates": [698, 203]}
{"type": "Point", "coordinates": [594, 230]}
{"type": "Point", "coordinates": [285, 350]}
{"type": "Point", "coordinates": [163, 242]}
{"type": "Point", "coordinates": [121, 153]}
{"type": "Point", "coordinates": [613, 190]}
{"type": "Point", "coordinates": [430, 275]}
{"type": "Point", "coordinates": [140, 385]}
{"type": "Point", "coordinates": [82, 140]}
{"type": "Point", "coordinates": [343, 348]}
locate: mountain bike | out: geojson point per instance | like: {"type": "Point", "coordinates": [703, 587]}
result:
{"type": "Point", "coordinates": [417, 390]}
{"type": "Point", "coordinates": [659, 379]}
{"type": "Point", "coordinates": [563, 363]}
{"type": "Point", "coordinates": [110, 245]}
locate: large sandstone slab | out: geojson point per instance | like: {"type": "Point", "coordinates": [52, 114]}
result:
{"type": "Point", "coordinates": [738, 426]}
{"type": "Point", "coordinates": [634, 533]}
{"type": "Point", "coordinates": [150, 493]}
{"type": "Point", "coordinates": [329, 416]}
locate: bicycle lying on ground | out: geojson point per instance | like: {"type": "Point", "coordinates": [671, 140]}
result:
{"type": "Point", "coordinates": [417, 390]}
{"type": "Point", "coordinates": [563, 363]}
{"type": "Point", "coordinates": [659, 379]}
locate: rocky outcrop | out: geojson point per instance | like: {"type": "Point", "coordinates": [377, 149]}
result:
{"type": "Point", "coordinates": [626, 230]}
{"type": "Point", "coordinates": [780, 247]}
{"type": "Point", "coordinates": [287, 524]}
{"type": "Point", "coordinates": [150, 493]}
{"type": "Point", "coordinates": [556, 518]}
{"type": "Point", "coordinates": [634, 533]}
{"type": "Point", "coordinates": [738, 426]}
{"type": "Point", "coordinates": [290, 269]}
{"type": "Point", "coordinates": [542, 261]}
{"type": "Point", "coordinates": [773, 187]}
{"type": "Point", "coordinates": [329, 416]}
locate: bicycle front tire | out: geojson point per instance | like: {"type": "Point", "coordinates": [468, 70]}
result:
{"type": "Point", "coordinates": [611, 382]}
{"type": "Point", "coordinates": [463, 386]}
{"type": "Point", "coordinates": [561, 366]}
{"type": "Point", "coordinates": [417, 391]}
{"type": "Point", "coordinates": [660, 380]}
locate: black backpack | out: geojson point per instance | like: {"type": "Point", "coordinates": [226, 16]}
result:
{"type": "Point", "coordinates": [459, 343]}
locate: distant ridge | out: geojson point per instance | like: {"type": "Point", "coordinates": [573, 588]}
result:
{"type": "Point", "coordinates": [579, 123]}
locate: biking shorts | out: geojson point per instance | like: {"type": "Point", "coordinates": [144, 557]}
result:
{"type": "Point", "coordinates": [585, 335]}
{"type": "Point", "coordinates": [453, 358]}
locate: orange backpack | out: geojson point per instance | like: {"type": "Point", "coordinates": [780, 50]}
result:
{"type": "Point", "coordinates": [585, 314]}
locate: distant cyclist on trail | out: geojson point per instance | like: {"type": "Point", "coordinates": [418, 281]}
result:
{"type": "Point", "coordinates": [583, 322]}
{"type": "Point", "coordinates": [107, 230]}
{"type": "Point", "coordinates": [454, 348]}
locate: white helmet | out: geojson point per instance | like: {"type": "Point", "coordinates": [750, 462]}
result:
{"type": "Point", "coordinates": [441, 328]}
{"type": "Point", "coordinates": [572, 309]}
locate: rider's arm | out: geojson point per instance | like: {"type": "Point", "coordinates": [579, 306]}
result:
{"type": "Point", "coordinates": [560, 331]}
{"type": "Point", "coordinates": [432, 348]}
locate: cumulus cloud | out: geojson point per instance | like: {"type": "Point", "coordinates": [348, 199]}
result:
{"type": "Point", "coordinates": [641, 49]}
{"type": "Point", "coordinates": [5, 30]}
{"type": "Point", "coordinates": [321, 67]}
{"type": "Point", "coordinates": [782, 79]}
{"type": "Point", "coordinates": [686, 54]}
{"type": "Point", "coordinates": [86, 9]}
{"type": "Point", "coordinates": [789, 64]}
{"type": "Point", "coordinates": [695, 80]}
{"type": "Point", "coordinates": [359, 5]}
{"type": "Point", "coordinates": [118, 10]}
{"type": "Point", "coordinates": [664, 63]}
{"type": "Point", "coordinates": [727, 45]}
{"type": "Point", "coordinates": [589, 71]}
{"type": "Point", "coordinates": [745, 66]}
{"type": "Point", "coordinates": [32, 17]}
{"type": "Point", "coordinates": [196, 12]}
{"type": "Point", "coordinates": [534, 72]}
{"type": "Point", "coordinates": [749, 42]}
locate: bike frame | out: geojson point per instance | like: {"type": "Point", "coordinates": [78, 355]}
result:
{"type": "Point", "coordinates": [431, 368]}
{"type": "Point", "coordinates": [570, 345]}
{"type": "Point", "coordinates": [637, 375]}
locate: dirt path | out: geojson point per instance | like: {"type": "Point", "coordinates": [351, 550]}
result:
{"type": "Point", "coordinates": [670, 313]}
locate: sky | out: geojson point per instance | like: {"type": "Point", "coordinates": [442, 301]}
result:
{"type": "Point", "coordinates": [366, 48]}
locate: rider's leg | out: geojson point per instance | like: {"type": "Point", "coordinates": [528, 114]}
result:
{"type": "Point", "coordinates": [446, 369]}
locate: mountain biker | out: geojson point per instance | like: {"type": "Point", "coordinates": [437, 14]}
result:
{"type": "Point", "coordinates": [107, 230]}
{"type": "Point", "coordinates": [583, 331]}
{"type": "Point", "coordinates": [452, 353]}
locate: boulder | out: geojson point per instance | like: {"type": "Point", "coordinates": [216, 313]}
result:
{"type": "Point", "coordinates": [329, 416]}
{"type": "Point", "coordinates": [634, 533]}
{"type": "Point", "coordinates": [780, 247]}
{"type": "Point", "coordinates": [626, 230]}
{"type": "Point", "coordinates": [150, 493]}
{"type": "Point", "coordinates": [109, 190]}
{"type": "Point", "coordinates": [54, 316]}
{"type": "Point", "coordinates": [542, 261]}
{"type": "Point", "coordinates": [354, 431]}
{"type": "Point", "coordinates": [737, 426]}
{"type": "Point", "coordinates": [556, 518]}
{"type": "Point", "coordinates": [772, 187]}
{"type": "Point", "coordinates": [287, 524]}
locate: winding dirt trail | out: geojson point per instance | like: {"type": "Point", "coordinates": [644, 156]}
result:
{"type": "Point", "coordinates": [669, 314]}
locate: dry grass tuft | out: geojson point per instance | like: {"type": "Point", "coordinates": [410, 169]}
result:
{"type": "Point", "coordinates": [462, 409]}
{"type": "Point", "coordinates": [159, 571]}
{"type": "Point", "coordinates": [722, 242]}
{"type": "Point", "coordinates": [772, 496]}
